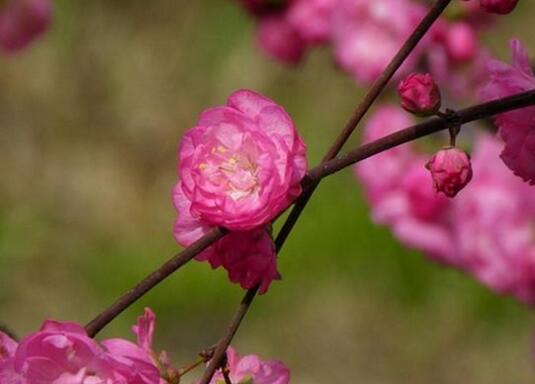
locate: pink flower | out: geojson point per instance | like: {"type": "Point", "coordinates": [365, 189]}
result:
{"type": "Point", "coordinates": [499, 6]}
{"type": "Point", "coordinates": [242, 164]}
{"type": "Point", "coordinates": [250, 368]}
{"type": "Point", "coordinates": [517, 128]}
{"type": "Point", "coordinates": [280, 40]}
{"type": "Point", "coordinates": [451, 170]}
{"type": "Point", "coordinates": [22, 21]}
{"type": "Point", "coordinates": [131, 363]}
{"type": "Point", "coordinates": [493, 225]}
{"type": "Point", "coordinates": [420, 94]}
{"type": "Point", "coordinates": [249, 258]}
{"type": "Point", "coordinates": [239, 168]}
{"type": "Point", "coordinates": [62, 352]}
{"type": "Point", "coordinates": [367, 34]}
{"type": "Point", "coordinates": [312, 19]}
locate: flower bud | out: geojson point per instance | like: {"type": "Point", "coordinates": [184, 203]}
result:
{"type": "Point", "coordinates": [451, 170]}
{"type": "Point", "coordinates": [499, 6]}
{"type": "Point", "coordinates": [420, 94]}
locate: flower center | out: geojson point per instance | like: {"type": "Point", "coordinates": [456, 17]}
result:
{"type": "Point", "coordinates": [236, 172]}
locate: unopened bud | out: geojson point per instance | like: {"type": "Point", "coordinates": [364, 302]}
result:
{"type": "Point", "coordinates": [451, 170]}
{"type": "Point", "coordinates": [420, 94]}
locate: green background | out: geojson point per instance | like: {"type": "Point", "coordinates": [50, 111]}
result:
{"type": "Point", "coordinates": [90, 118]}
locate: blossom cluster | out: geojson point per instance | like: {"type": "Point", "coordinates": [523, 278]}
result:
{"type": "Point", "coordinates": [486, 231]}
{"type": "Point", "coordinates": [239, 167]}
{"type": "Point", "coordinates": [365, 35]}
{"type": "Point", "coordinates": [22, 21]}
{"type": "Point", "coordinates": [62, 352]}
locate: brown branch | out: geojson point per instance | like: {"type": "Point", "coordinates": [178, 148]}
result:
{"type": "Point", "coordinates": [365, 151]}
{"type": "Point", "coordinates": [376, 89]}
{"type": "Point", "coordinates": [314, 175]}
{"type": "Point", "coordinates": [364, 106]}
{"type": "Point", "coordinates": [99, 322]}
{"type": "Point", "coordinates": [464, 116]}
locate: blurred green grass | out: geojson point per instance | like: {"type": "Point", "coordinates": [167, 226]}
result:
{"type": "Point", "coordinates": [90, 118]}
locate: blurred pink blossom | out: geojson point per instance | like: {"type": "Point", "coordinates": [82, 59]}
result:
{"type": "Point", "coordinates": [22, 21]}
{"type": "Point", "coordinates": [280, 40]}
{"type": "Point", "coordinates": [312, 19]}
{"type": "Point", "coordinates": [401, 191]}
{"type": "Point", "coordinates": [493, 226]}
{"type": "Point", "coordinates": [251, 369]}
{"type": "Point", "coordinates": [384, 172]}
{"type": "Point", "coordinates": [462, 42]}
{"type": "Point", "coordinates": [486, 231]}
{"type": "Point", "coordinates": [420, 94]}
{"type": "Point", "coordinates": [367, 34]}
{"type": "Point", "coordinates": [516, 128]}
{"type": "Point", "coordinates": [451, 170]}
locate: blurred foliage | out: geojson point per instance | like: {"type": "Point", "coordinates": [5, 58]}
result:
{"type": "Point", "coordinates": [89, 122]}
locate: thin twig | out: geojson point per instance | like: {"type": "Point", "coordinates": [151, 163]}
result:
{"type": "Point", "coordinates": [376, 89]}
{"type": "Point", "coordinates": [191, 367]}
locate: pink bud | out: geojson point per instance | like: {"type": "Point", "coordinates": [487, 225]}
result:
{"type": "Point", "coordinates": [451, 170]}
{"type": "Point", "coordinates": [499, 6]}
{"type": "Point", "coordinates": [420, 94]}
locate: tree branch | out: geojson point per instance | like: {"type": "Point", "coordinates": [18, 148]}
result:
{"type": "Point", "coordinates": [315, 174]}
{"type": "Point", "coordinates": [105, 317]}
{"type": "Point", "coordinates": [365, 151]}
{"type": "Point", "coordinates": [376, 89]}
